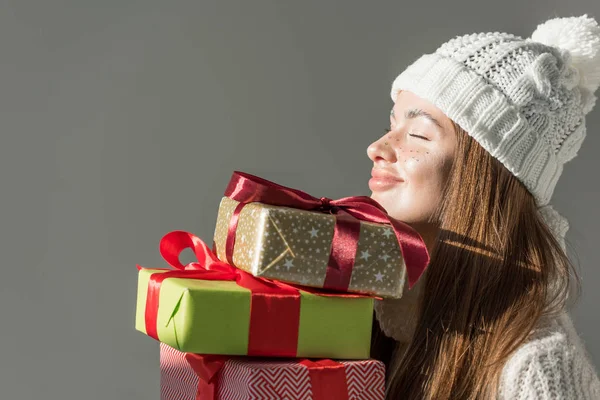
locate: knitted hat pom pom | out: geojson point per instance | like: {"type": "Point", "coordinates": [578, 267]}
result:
{"type": "Point", "coordinates": [579, 39]}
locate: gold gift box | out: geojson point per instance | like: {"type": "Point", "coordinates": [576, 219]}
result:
{"type": "Point", "coordinates": [293, 245]}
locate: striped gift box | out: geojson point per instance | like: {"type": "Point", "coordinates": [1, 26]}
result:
{"type": "Point", "coordinates": [244, 378]}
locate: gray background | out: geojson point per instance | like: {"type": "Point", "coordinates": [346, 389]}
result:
{"type": "Point", "coordinates": [123, 120]}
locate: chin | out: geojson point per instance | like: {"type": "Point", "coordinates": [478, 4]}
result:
{"type": "Point", "coordinates": [384, 201]}
{"type": "Point", "coordinates": [378, 199]}
{"type": "Point", "coordinates": [398, 214]}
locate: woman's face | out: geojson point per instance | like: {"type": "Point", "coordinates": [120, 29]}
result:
{"type": "Point", "coordinates": [412, 161]}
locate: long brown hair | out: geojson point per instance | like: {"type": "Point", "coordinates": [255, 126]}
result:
{"type": "Point", "coordinates": [495, 271]}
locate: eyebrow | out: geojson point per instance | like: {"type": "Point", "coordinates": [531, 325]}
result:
{"type": "Point", "coordinates": [416, 113]}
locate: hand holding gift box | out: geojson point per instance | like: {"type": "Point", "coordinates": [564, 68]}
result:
{"type": "Point", "coordinates": [211, 307]}
{"type": "Point", "coordinates": [350, 244]}
{"type": "Point", "coordinates": [187, 376]}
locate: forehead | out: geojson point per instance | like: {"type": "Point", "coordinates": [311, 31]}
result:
{"type": "Point", "coordinates": [406, 101]}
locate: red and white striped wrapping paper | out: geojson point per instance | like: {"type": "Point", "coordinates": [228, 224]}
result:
{"type": "Point", "coordinates": [253, 379]}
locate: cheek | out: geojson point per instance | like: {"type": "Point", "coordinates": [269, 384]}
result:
{"type": "Point", "coordinates": [425, 176]}
{"type": "Point", "coordinates": [418, 163]}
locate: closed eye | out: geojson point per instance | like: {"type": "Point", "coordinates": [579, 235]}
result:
{"type": "Point", "coordinates": [418, 136]}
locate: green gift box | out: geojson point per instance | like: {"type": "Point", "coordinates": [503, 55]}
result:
{"type": "Point", "coordinates": [213, 317]}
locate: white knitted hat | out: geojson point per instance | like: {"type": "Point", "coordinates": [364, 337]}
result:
{"type": "Point", "coordinates": [523, 100]}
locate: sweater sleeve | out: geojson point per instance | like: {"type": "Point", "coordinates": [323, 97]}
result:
{"type": "Point", "coordinates": [550, 367]}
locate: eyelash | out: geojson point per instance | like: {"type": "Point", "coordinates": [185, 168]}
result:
{"type": "Point", "coordinates": [388, 130]}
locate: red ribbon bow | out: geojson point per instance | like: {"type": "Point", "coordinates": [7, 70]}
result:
{"type": "Point", "coordinates": [270, 301]}
{"type": "Point", "coordinates": [327, 377]}
{"type": "Point", "coordinates": [246, 188]}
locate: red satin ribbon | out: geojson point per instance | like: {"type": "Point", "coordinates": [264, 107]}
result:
{"type": "Point", "coordinates": [207, 367]}
{"type": "Point", "coordinates": [246, 188]}
{"type": "Point", "coordinates": [270, 300]}
{"type": "Point", "coordinates": [327, 377]}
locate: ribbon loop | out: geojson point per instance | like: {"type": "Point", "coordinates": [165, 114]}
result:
{"type": "Point", "coordinates": [174, 243]}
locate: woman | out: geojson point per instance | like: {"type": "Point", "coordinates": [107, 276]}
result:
{"type": "Point", "coordinates": [479, 134]}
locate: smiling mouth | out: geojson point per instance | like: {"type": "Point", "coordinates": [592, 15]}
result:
{"type": "Point", "coordinates": [383, 181]}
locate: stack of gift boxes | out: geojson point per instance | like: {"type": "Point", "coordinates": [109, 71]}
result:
{"type": "Point", "coordinates": [281, 306]}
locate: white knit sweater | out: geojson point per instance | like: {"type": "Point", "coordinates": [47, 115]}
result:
{"type": "Point", "coordinates": [552, 364]}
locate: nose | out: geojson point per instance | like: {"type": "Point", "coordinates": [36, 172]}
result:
{"type": "Point", "coordinates": [382, 150]}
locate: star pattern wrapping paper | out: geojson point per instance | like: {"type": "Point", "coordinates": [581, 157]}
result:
{"type": "Point", "coordinates": [294, 246]}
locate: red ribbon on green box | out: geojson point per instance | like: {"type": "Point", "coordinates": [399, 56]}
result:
{"type": "Point", "coordinates": [270, 300]}
{"type": "Point", "coordinates": [246, 188]}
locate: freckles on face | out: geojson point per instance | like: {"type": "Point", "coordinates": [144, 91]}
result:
{"type": "Point", "coordinates": [419, 165]}
{"type": "Point", "coordinates": [410, 154]}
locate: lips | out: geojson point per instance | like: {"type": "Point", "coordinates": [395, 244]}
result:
{"type": "Point", "coordinates": [383, 180]}
{"type": "Point", "coordinates": [385, 175]}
